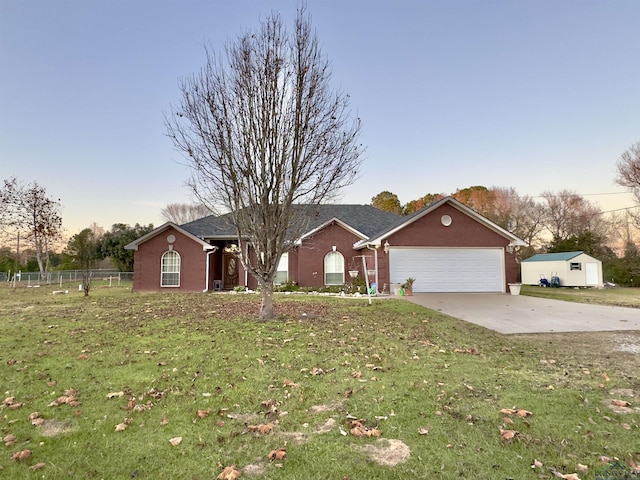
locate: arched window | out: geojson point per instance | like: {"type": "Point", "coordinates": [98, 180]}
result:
{"type": "Point", "coordinates": [170, 273]}
{"type": "Point", "coordinates": [334, 269]}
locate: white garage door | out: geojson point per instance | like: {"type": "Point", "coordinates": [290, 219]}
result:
{"type": "Point", "coordinates": [449, 269]}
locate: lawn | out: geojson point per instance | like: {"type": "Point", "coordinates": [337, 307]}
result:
{"type": "Point", "coordinates": [623, 297]}
{"type": "Point", "coordinates": [180, 386]}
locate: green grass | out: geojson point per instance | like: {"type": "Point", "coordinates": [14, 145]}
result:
{"type": "Point", "coordinates": [623, 297]}
{"type": "Point", "coordinates": [179, 353]}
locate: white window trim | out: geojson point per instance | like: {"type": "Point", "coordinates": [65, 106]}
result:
{"type": "Point", "coordinates": [162, 272]}
{"type": "Point", "coordinates": [333, 253]}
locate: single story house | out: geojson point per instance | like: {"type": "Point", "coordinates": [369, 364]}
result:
{"type": "Point", "coordinates": [574, 269]}
{"type": "Point", "coordinates": [446, 247]}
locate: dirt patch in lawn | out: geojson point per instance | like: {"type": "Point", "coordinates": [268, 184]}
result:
{"type": "Point", "coordinates": [53, 428]}
{"type": "Point", "coordinates": [387, 452]}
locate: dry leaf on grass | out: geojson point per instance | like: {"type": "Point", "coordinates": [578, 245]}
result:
{"type": "Point", "coordinates": [620, 403]}
{"type": "Point", "coordinates": [277, 454]}
{"type": "Point", "coordinates": [21, 455]}
{"type": "Point", "coordinates": [229, 473]}
{"type": "Point", "coordinates": [203, 413]}
{"type": "Point", "coordinates": [536, 464]}
{"type": "Point", "coordinates": [9, 439]}
{"type": "Point", "coordinates": [37, 466]}
{"type": "Point", "coordinates": [164, 420]}
{"type": "Point", "coordinates": [121, 426]}
{"type": "Point", "coordinates": [423, 430]}
{"type": "Point", "coordinates": [175, 441]}
{"type": "Point", "coordinates": [508, 434]}
{"type": "Point", "coordinates": [263, 428]}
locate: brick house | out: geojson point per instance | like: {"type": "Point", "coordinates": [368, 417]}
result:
{"type": "Point", "coordinates": [446, 247]}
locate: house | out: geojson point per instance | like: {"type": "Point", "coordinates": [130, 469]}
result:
{"type": "Point", "coordinates": [574, 269]}
{"type": "Point", "coordinates": [446, 247]}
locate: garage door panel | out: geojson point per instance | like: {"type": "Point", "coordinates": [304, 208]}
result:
{"type": "Point", "coordinates": [449, 269]}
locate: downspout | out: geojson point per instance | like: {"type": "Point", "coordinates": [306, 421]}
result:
{"type": "Point", "coordinates": [206, 273]}
{"type": "Point", "coordinates": [375, 261]}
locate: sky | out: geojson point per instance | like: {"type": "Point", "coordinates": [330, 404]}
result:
{"type": "Point", "coordinates": [537, 95]}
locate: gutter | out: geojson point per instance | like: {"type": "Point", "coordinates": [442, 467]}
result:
{"type": "Point", "coordinates": [206, 273]}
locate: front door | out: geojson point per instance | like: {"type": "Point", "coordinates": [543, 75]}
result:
{"type": "Point", "coordinates": [229, 271]}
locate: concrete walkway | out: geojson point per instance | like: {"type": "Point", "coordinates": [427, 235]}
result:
{"type": "Point", "coordinates": [507, 313]}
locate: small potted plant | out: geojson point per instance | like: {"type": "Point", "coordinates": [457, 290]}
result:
{"type": "Point", "coordinates": [408, 286]}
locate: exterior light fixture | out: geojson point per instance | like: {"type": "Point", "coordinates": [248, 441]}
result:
{"type": "Point", "coordinates": [386, 246]}
{"type": "Point", "coordinates": [510, 248]}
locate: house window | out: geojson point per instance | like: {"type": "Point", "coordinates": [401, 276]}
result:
{"type": "Point", "coordinates": [170, 273]}
{"type": "Point", "coordinates": [575, 266]}
{"type": "Point", "coordinates": [282, 275]}
{"type": "Point", "coordinates": [334, 269]}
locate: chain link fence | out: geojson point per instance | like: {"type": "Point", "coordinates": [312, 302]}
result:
{"type": "Point", "coordinates": [110, 278]}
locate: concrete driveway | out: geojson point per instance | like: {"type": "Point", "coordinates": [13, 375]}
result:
{"type": "Point", "coordinates": [507, 313]}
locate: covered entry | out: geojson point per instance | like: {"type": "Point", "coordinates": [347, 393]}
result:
{"type": "Point", "coordinates": [449, 269]}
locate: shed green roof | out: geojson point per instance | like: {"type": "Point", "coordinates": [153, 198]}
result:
{"type": "Point", "coordinates": [552, 257]}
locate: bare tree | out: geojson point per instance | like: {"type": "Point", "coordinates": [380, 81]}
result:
{"type": "Point", "coordinates": [629, 176]}
{"type": "Point", "coordinates": [28, 209]}
{"type": "Point", "coordinates": [181, 213]}
{"type": "Point", "coordinates": [518, 214]}
{"type": "Point", "coordinates": [568, 214]}
{"type": "Point", "coordinates": [262, 131]}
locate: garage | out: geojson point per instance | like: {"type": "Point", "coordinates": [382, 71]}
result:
{"type": "Point", "coordinates": [449, 269]}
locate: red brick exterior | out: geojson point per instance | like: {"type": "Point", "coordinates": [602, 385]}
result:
{"type": "Point", "coordinates": [148, 261]}
{"type": "Point", "coordinates": [464, 231]}
{"type": "Point", "coordinates": [306, 261]}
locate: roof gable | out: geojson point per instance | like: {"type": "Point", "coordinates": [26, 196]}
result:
{"type": "Point", "coordinates": [163, 228]}
{"type": "Point", "coordinates": [403, 222]}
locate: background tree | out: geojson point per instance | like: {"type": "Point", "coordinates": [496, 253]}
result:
{"type": "Point", "coordinates": [629, 175]}
{"type": "Point", "coordinates": [28, 211]}
{"type": "Point", "coordinates": [415, 205]}
{"type": "Point", "coordinates": [83, 250]}
{"type": "Point", "coordinates": [388, 202]}
{"type": "Point", "coordinates": [113, 242]}
{"type": "Point", "coordinates": [567, 213]}
{"type": "Point", "coordinates": [262, 130]}
{"type": "Point", "coordinates": [478, 198]}
{"type": "Point", "coordinates": [181, 213]}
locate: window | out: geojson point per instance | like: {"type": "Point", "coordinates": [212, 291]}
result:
{"type": "Point", "coordinates": [333, 269]}
{"type": "Point", "coordinates": [282, 275]}
{"type": "Point", "coordinates": [575, 266]}
{"type": "Point", "coordinates": [170, 273]}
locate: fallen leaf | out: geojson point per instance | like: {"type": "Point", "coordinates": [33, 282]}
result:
{"type": "Point", "coordinates": [9, 400]}
{"type": "Point", "coordinates": [508, 434]}
{"type": "Point", "coordinates": [423, 430]}
{"type": "Point", "coordinates": [115, 394]}
{"type": "Point", "coordinates": [37, 466]}
{"type": "Point", "coordinates": [523, 413]}
{"type": "Point", "coordinates": [164, 420]}
{"type": "Point", "coordinates": [620, 403]}
{"type": "Point", "coordinates": [21, 455]}
{"type": "Point", "coordinates": [626, 426]}
{"type": "Point", "coordinates": [175, 441]}
{"type": "Point", "coordinates": [9, 439]}
{"type": "Point", "coordinates": [121, 426]}
{"type": "Point", "coordinates": [277, 454]}
{"type": "Point", "coordinates": [203, 413]}
{"type": "Point", "coordinates": [229, 473]}
{"type": "Point", "coordinates": [582, 468]}
{"type": "Point", "coordinates": [536, 464]}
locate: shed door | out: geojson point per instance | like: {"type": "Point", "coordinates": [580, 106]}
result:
{"type": "Point", "coordinates": [449, 269]}
{"type": "Point", "coordinates": [592, 273]}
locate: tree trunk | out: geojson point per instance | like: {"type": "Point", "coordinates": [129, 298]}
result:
{"type": "Point", "coordinates": [266, 307]}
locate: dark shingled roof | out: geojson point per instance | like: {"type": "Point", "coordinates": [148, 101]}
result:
{"type": "Point", "coordinates": [363, 218]}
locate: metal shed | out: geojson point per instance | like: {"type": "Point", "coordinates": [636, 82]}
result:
{"type": "Point", "coordinates": [574, 269]}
